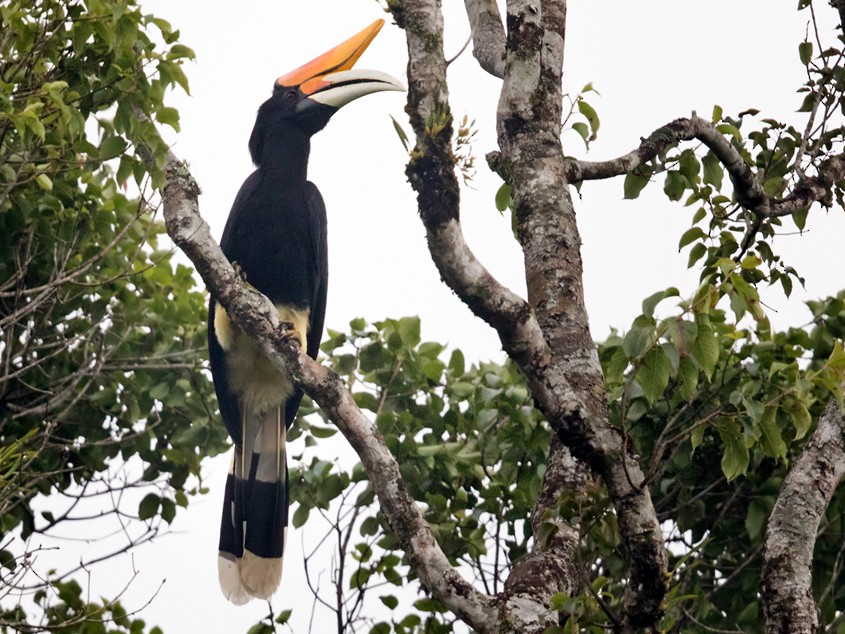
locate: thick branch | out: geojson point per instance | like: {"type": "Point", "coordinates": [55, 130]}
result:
{"type": "Point", "coordinates": [431, 172]}
{"type": "Point", "coordinates": [553, 558]}
{"type": "Point", "coordinates": [555, 354]}
{"type": "Point", "coordinates": [549, 568]}
{"type": "Point", "coordinates": [748, 190]}
{"type": "Point", "coordinates": [813, 189]}
{"type": "Point", "coordinates": [488, 35]}
{"type": "Point", "coordinates": [254, 314]}
{"type": "Point", "coordinates": [532, 163]}
{"type": "Point", "coordinates": [791, 534]}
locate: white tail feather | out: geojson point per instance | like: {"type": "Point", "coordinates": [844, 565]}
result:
{"type": "Point", "coordinates": [260, 576]}
{"type": "Point", "coordinates": [230, 581]}
{"type": "Point", "coordinates": [252, 575]}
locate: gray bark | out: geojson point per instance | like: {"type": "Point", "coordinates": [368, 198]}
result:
{"type": "Point", "coordinates": [787, 573]}
{"type": "Point", "coordinates": [748, 190]}
{"type": "Point", "coordinates": [532, 163]}
{"type": "Point", "coordinates": [548, 336]}
{"type": "Point", "coordinates": [488, 35]}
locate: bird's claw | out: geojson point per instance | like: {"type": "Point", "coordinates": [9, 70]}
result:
{"type": "Point", "coordinates": [289, 331]}
{"type": "Point", "coordinates": [239, 272]}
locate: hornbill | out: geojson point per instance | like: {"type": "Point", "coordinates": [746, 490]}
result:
{"type": "Point", "coordinates": [276, 237]}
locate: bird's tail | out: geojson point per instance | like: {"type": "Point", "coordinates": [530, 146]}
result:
{"type": "Point", "coordinates": [253, 528]}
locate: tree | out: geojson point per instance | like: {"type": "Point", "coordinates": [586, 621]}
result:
{"type": "Point", "coordinates": [699, 427]}
{"type": "Point", "coordinates": [103, 404]}
{"type": "Point", "coordinates": [542, 495]}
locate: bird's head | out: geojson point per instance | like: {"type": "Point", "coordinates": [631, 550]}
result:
{"type": "Point", "coordinates": [308, 96]}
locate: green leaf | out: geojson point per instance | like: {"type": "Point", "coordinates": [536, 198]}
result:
{"type": "Point", "coordinates": [389, 600]}
{"type": "Point", "coordinates": [675, 185]}
{"type": "Point", "coordinates": [160, 391]}
{"type": "Point", "coordinates": [696, 437]}
{"type": "Point", "coordinates": [44, 182]}
{"type": "Point", "coordinates": [180, 50]}
{"type": "Point", "coordinates": [111, 148]}
{"type": "Point", "coordinates": [801, 418]}
{"type": "Point", "coordinates": [808, 102]}
{"type": "Point", "coordinates": [654, 374]}
{"type": "Point", "coordinates": [735, 457]}
{"type": "Point", "coordinates": [590, 114]}
{"type": "Point", "coordinates": [300, 515]}
{"type": "Point", "coordinates": [359, 578]}
{"type": "Point", "coordinates": [713, 172]}
{"type": "Point", "coordinates": [634, 184]}
{"type": "Point", "coordinates": [651, 302]}
{"type": "Point", "coordinates": [616, 366]}
{"type": "Point", "coordinates": [749, 295]}
{"type": "Point", "coordinates": [503, 197]}
{"type": "Point", "coordinates": [284, 616]}
{"type": "Point", "coordinates": [688, 375]}
{"type": "Point", "coordinates": [168, 510]}
{"type": "Point", "coordinates": [400, 132]}
{"type": "Point", "coordinates": [364, 400]}
{"type": "Point", "coordinates": [148, 506]}
{"type": "Point", "coordinates": [369, 527]}
{"type": "Point", "coordinates": [462, 390]}
{"type": "Point", "coordinates": [771, 439]}
{"type": "Point", "coordinates": [689, 165]}
{"type": "Point", "coordinates": [800, 218]}
{"type": "Point", "coordinates": [637, 340]}
{"type": "Point", "coordinates": [755, 519]}
{"type": "Point", "coordinates": [168, 116]}
{"type": "Point", "coordinates": [325, 432]}
{"type": "Point", "coordinates": [697, 252]}
{"type": "Point", "coordinates": [409, 330]}
{"type": "Point", "coordinates": [7, 560]}
{"type": "Point", "coordinates": [727, 128]}
{"type": "Point", "coordinates": [558, 601]}
{"type": "Point", "coordinates": [691, 235]}
{"type": "Point", "coordinates": [583, 131]}
{"type": "Point", "coordinates": [805, 52]}
{"type": "Point", "coordinates": [457, 364]}
{"type": "Point", "coordinates": [705, 349]}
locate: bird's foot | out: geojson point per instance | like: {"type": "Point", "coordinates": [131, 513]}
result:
{"type": "Point", "coordinates": [239, 272]}
{"type": "Point", "coordinates": [289, 331]}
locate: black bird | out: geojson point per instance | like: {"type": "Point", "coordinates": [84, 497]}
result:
{"type": "Point", "coordinates": [276, 236]}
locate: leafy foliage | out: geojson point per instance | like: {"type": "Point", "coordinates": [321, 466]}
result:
{"type": "Point", "coordinates": [716, 412]}
{"type": "Point", "coordinates": [718, 422]}
{"type": "Point", "coordinates": [101, 331]}
{"type": "Point", "coordinates": [470, 446]}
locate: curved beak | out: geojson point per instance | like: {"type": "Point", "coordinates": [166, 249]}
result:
{"type": "Point", "coordinates": [329, 79]}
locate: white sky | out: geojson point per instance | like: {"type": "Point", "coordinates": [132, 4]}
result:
{"type": "Point", "coordinates": [651, 61]}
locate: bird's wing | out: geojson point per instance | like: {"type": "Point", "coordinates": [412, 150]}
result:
{"type": "Point", "coordinates": [239, 207]}
{"type": "Point", "coordinates": [229, 408]}
{"type": "Point", "coordinates": [316, 210]}
{"type": "Point", "coordinates": [319, 248]}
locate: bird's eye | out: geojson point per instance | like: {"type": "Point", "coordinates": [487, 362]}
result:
{"type": "Point", "coordinates": [289, 96]}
